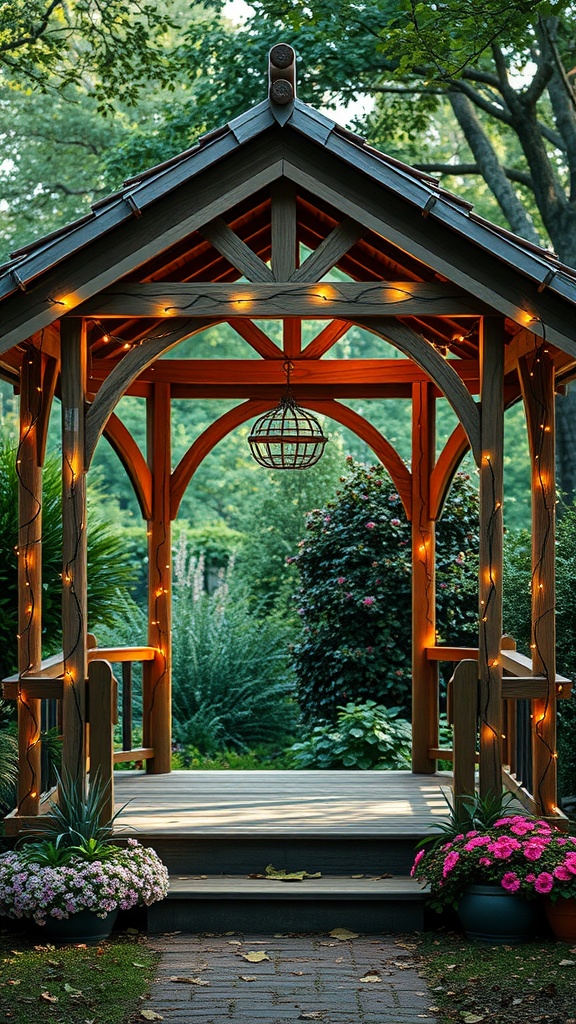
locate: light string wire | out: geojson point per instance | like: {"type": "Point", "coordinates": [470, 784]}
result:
{"type": "Point", "coordinates": [68, 581]}
{"type": "Point", "coordinates": [491, 595]}
{"type": "Point", "coordinates": [160, 593]}
{"type": "Point", "coordinates": [32, 354]}
{"type": "Point", "coordinates": [544, 426]}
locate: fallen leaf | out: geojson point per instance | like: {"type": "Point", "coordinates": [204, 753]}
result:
{"type": "Point", "coordinates": [357, 876]}
{"type": "Point", "coordinates": [342, 934]}
{"type": "Point", "coordinates": [72, 991]}
{"type": "Point", "coordinates": [297, 973]}
{"type": "Point", "coordinates": [473, 1018]}
{"type": "Point", "coordinates": [281, 875]}
{"type": "Point", "coordinates": [255, 958]}
{"type": "Point", "coordinates": [247, 977]}
{"type": "Point", "coordinates": [311, 1015]}
{"type": "Point", "coordinates": [378, 877]}
{"type": "Point", "coordinates": [151, 1015]}
{"type": "Point", "coordinates": [17, 982]}
{"type": "Point", "coordinates": [135, 964]}
{"type": "Point", "coordinates": [48, 998]}
{"type": "Point", "coordinates": [567, 963]}
{"type": "Point", "coordinates": [188, 981]}
{"type": "Point", "coordinates": [132, 931]}
{"type": "Point", "coordinates": [234, 942]}
{"type": "Point", "coordinates": [371, 977]}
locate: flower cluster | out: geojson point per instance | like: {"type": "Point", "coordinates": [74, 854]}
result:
{"type": "Point", "coordinates": [523, 855]}
{"type": "Point", "coordinates": [131, 876]}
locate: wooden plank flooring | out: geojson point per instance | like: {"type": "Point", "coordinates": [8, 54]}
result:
{"type": "Point", "coordinates": [311, 803]}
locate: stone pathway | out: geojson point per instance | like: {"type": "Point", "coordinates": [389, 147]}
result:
{"type": "Point", "coordinates": [362, 980]}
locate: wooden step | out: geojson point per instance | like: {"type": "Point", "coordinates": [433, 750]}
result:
{"type": "Point", "coordinates": [223, 903]}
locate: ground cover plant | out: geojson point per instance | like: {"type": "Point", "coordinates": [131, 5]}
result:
{"type": "Point", "coordinates": [72, 984]}
{"type": "Point", "coordinates": [472, 982]}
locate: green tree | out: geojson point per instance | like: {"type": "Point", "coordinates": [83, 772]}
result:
{"type": "Point", "coordinates": [355, 591]}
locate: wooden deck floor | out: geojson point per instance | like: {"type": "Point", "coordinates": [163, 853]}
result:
{"type": "Point", "coordinates": [312, 803]}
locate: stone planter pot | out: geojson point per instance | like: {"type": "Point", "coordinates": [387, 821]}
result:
{"type": "Point", "coordinates": [490, 914]}
{"type": "Point", "coordinates": [561, 915]}
{"type": "Point", "coordinates": [85, 926]}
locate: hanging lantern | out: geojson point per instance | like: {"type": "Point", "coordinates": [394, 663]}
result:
{"type": "Point", "coordinates": [288, 437]}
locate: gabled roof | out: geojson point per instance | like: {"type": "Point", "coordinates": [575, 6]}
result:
{"type": "Point", "coordinates": [422, 193]}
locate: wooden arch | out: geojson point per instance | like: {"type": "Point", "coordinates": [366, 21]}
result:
{"type": "Point", "coordinates": [204, 444]}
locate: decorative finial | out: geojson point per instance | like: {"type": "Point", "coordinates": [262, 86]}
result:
{"type": "Point", "coordinates": [281, 75]}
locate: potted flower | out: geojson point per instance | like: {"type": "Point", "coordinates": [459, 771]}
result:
{"type": "Point", "coordinates": [73, 879]}
{"type": "Point", "coordinates": [494, 875]}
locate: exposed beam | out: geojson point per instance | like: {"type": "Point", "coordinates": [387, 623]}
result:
{"type": "Point", "coordinates": [238, 254]}
{"type": "Point", "coordinates": [257, 339]}
{"type": "Point", "coordinates": [446, 466]}
{"type": "Point", "coordinates": [348, 300]}
{"type": "Point", "coordinates": [330, 250]}
{"type": "Point", "coordinates": [324, 341]}
{"type": "Point", "coordinates": [283, 228]}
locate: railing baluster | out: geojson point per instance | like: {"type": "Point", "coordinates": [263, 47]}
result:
{"type": "Point", "coordinates": [127, 705]}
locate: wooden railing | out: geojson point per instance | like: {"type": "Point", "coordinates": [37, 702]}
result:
{"type": "Point", "coordinates": [519, 687]}
{"type": "Point", "coordinates": [46, 685]}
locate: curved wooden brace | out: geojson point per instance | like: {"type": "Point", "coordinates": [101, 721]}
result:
{"type": "Point", "coordinates": [204, 444]}
{"type": "Point", "coordinates": [121, 440]}
{"type": "Point", "coordinates": [253, 407]}
{"type": "Point", "coordinates": [443, 473]}
{"type": "Point", "coordinates": [382, 448]}
{"type": "Point", "coordinates": [438, 369]}
{"type": "Point", "coordinates": [128, 369]}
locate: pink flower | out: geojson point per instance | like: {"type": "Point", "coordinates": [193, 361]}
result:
{"type": "Point", "coordinates": [562, 873]}
{"type": "Point", "coordinates": [544, 882]}
{"type": "Point", "coordinates": [368, 601]}
{"type": "Point", "coordinates": [417, 860]}
{"type": "Point", "coordinates": [395, 522]}
{"type": "Point", "coordinates": [341, 579]}
{"type": "Point", "coordinates": [348, 597]}
{"type": "Point", "coordinates": [531, 878]}
{"type": "Point", "coordinates": [485, 862]}
{"type": "Point", "coordinates": [477, 841]}
{"type": "Point", "coordinates": [570, 862]}
{"type": "Point", "coordinates": [510, 881]}
{"type": "Point", "coordinates": [370, 525]}
{"type": "Point", "coordinates": [369, 650]}
{"type": "Point", "coordinates": [534, 849]}
{"type": "Point", "coordinates": [504, 847]}
{"type": "Point", "coordinates": [450, 862]}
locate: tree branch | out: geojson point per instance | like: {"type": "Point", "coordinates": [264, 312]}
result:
{"type": "Point", "coordinates": [521, 177]}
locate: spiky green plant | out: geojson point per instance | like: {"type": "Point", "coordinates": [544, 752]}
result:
{"type": "Point", "coordinates": [77, 820]}
{"type": "Point", "coordinates": [469, 813]}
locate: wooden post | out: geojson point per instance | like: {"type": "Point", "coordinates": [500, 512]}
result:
{"type": "Point", "coordinates": [29, 471]}
{"type": "Point", "coordinates": [537, 378]}
{"type": "Point", "coordinates": [465, 725]}
{"type": "Point", "coordinates": [74, 567]}
{"type": "Point", "coordinates": [101, 694]}
{"type": "Point", "coordinates": [424, 673]}
{"type": "Point", "coordinates": [157, 695]}
{"type": "Point", "coordinates": [490, 589]}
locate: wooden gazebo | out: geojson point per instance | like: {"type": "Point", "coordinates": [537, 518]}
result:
{"type": "Point", "coordinates": [214, 235]}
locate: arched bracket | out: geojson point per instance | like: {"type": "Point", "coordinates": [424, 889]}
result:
{"type": "Point", "coordinates": [446, 466]}
{"type": "Point", "coordinates": [437, 368]}
{"type": "Point", "coordinates": [121, 440]}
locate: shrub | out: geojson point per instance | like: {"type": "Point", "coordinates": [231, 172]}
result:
{"type": "Point", "coordinates": [355, 591]}
{"type": "Point", "coordinates": [232, 684]}
{"type": "Point", "coordinates": [365, 736]}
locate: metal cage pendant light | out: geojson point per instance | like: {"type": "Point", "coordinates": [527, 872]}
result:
{"type": "Point", "coordinates": [288, 437]}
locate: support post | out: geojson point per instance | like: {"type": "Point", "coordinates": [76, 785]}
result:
{"type": "Point", "coordinates": [29, 472]}
{"type": "Point", "coordinates": [101, 708]}
{"type": "Point", "coordinates": [465, 725]}
{"type": "Point", "coordinates": [74, 560]}
{"type": "Point", "coordinates": [157, 696]}
{"type": "Point", "coordinates": [537, 378]}
{"type": "Point", "coordinates": [492, 341]}
{"type": "Point", "coordinates": [425, 711]}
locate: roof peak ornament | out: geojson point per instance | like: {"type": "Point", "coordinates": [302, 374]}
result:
{"type": "Point", "coordinates": [281, 81]}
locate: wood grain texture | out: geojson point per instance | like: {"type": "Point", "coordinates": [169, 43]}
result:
{"type": "Point", "coordinates": [465, 723]}
{"type": "Point", "coordinates": [445, 469]}
{"type": "Point", "coordinates": [425, 708]}
{"type": "Point", "coordinates": [492, 343]}
{"type": "Point", "coordinates": [537, 379]}
{"type": "Point", "coordinates": [283, 229]}
{"type": "Point", "coordinates": [157, 675]}
{"type": "Point", "coordinates": [330, 250]}
{"type": "Point", "coordinates": [238, 254]}
{"type": "Point", "coordinates": [324, 341]}
{"type": "Point", "coordinates": [348, 300]}
{"type": "Point", "coordinates": [29, 548]}
{"type": "Point", "coordinates": [74, 555]}
{"type": "Point", "coordinates": [101, 707]}
{"type": "Point", "coordinates": [257, 339]}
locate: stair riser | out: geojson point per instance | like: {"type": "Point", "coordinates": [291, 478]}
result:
{"type": "Point", "coordinates": [268, 917]}
{"type": "Point", "coordinates": [214, 855]}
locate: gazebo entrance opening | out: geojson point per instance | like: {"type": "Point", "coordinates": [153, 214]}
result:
{"type": "Point", "coordinates": [216, 235]}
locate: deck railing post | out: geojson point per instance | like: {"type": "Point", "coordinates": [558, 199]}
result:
{"type": "Point", "coordinates": [465, 729]}
{"type": "Point", "coordinates": [101, 711]}
{"type": "Point", "coordinates": [126, 705]}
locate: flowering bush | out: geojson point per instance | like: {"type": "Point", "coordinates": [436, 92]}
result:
{"type": "Point", "coordinates": [523, 855]}
{"type": "Point", "coordinates": [128, 877]}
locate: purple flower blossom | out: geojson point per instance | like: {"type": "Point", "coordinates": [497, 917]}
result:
{"type": "Point", "coordinates": [544, 883]}
{"type": "Point", "coordinates": [510, 881]}
{"type": "Point", "coordinates": [370, 525]}
{"type": "Point", "coordinates": [368, 601]}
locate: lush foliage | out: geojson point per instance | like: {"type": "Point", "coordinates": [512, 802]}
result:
{"type": "Point", "coordinates": [469, 813]}
{"type": "Point", "coordinates": [365, 736]}
{"type": "Point", "coordinates": [110, 572]}
{"type": "Point", "coordinates": [523, 855]}
{"type": "Point", "coordinates": [8, 759]}
{"type": "Point", "coordinates": [129, 877]}
{"type": "Point", "coordinates": [231, 680]}
{"type": "Point", "coordinates": [355, 591]}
